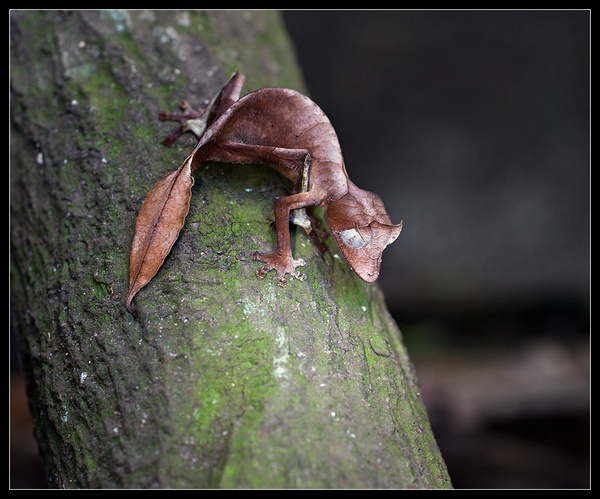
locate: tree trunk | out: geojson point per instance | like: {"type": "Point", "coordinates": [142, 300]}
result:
{"type": "Point", "coordinates": [223, 380]}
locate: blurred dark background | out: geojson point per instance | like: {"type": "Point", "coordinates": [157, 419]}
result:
{"type": "Point", "coordinates": [474, 128]}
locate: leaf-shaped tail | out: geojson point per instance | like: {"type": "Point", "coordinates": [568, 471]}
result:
{"type": "Point", "coordinates": [158, 224]}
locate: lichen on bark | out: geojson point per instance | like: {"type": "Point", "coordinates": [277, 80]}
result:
{"type": "Point", "coordinates": [223, 380]}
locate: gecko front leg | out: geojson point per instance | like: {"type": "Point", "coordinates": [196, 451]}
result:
{"type": "Point", "coordinates": [299, 216]}
{"type": "Point", "coordinates": [281, 259]}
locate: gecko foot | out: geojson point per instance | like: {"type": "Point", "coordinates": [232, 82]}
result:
{"type": "Point", "coordinates": [188, 114]}
{"type": "Point", "coordinates": [281, 264]}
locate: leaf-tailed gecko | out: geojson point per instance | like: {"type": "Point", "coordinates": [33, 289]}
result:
{"type": "Point", "coordinates": [287, 131]}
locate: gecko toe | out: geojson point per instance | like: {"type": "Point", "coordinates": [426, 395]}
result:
{"type": "Point", "coordinates": [262, 272]}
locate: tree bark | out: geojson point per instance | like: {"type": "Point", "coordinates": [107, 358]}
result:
{"type": "Point", "coordinates": [223, 380]}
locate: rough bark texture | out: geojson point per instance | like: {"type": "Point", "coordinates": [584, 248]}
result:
{"type": "Point", "coordinates": [223, 380]}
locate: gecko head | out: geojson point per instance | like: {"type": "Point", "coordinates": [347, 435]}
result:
{"type": "Point", "coordinates": [362, 230]}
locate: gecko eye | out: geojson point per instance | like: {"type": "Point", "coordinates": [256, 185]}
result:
{"type": "Point", "coordinates": [352, 238]}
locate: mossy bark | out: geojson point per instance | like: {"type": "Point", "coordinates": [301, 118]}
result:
{"type": "Point", "coordinates": [223, 380]}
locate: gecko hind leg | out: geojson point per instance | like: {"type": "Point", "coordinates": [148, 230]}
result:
{"type": "Point", "coordinates": [198, 121]}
